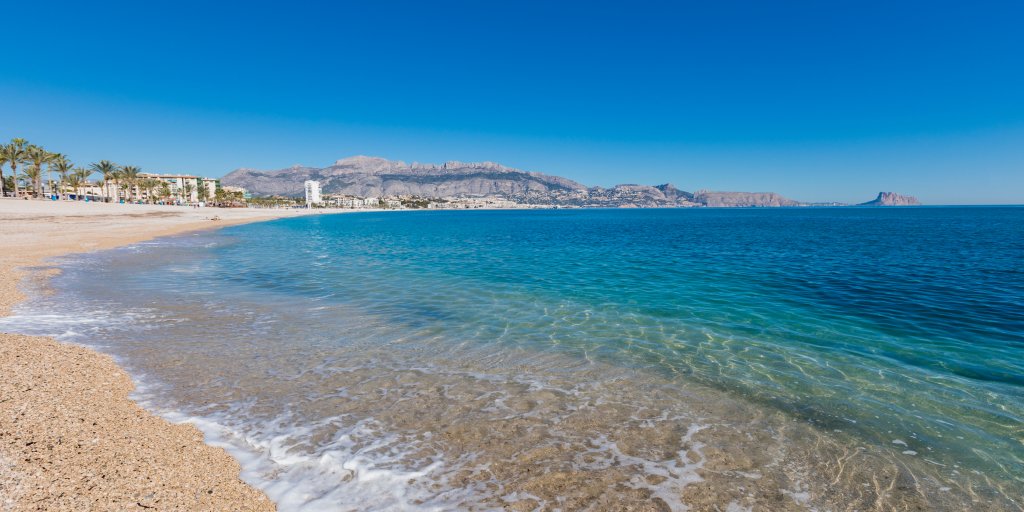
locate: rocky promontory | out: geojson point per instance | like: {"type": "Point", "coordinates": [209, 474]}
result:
{"type": "Point", "coordinates": [892, 199]}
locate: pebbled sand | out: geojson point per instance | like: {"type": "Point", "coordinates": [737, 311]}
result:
{"type": "Point", "coordinates": [70, 438]}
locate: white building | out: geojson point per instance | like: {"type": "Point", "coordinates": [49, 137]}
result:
{"type": "Point", "coordinates": [312, 193]}
{"type": "Point", "coordinates": [354, 202]}
{"type": "Point", "coordinates": [182, 187]}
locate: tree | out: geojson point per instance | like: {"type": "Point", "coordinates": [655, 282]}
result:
{"type": "Point", "coordinates": [107, 169]}
{"type": "Point", "coordinates": [188, 191]}
{"type": "Point", "coordinates": [32, 175]}
{"type": "Point", "coordinates": [130, 175]}
{"type": "Point", "coordinates": [39, 157]}
{"type": "Point", "coordinates": [203, 191]}
{"type": "Point", "coordinates": [14, 154]}
{"type": "Point", "coordinates": [146, 188]}
{"type": "Point", "coordinates": [115, 179]}
{"type": "Point", "coordinates": [148, 185]}
{"type": "Point", "coordinates": [64, 168]}
{"type": "Point", "coordinates": [83, 178]}
{"type": "Point", "coordinates": [73, 180]}
{"type": "Point", "coordinates": [3, 162]}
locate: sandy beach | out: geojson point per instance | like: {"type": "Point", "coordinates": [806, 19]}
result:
{"type": "Point", "coordinates": [70, 437]}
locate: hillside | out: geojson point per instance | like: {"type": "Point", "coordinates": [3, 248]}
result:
{"type": "Point", "coordinates": [364, 176]}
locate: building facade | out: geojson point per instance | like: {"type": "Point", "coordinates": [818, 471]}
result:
{"type": "Point", "coordinates": [312, 193]}
{"type": "Point", "coordinates": [181, 187]}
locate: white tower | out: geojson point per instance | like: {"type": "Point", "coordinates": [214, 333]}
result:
{"type": "Point", "coordinates": [312, 193]}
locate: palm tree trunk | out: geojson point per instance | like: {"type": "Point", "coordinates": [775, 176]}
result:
{"type": "Point", "coordinates": [1, 180]}
{"type": "Point", "coordinates": [14, 172]}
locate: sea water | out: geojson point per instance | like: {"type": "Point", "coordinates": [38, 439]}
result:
{"type": "Point", "coordinates": [830, 358]}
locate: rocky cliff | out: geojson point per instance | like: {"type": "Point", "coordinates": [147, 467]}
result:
{"type": "Point", "coordinates": [892, 199]}
{"type": "Point", "coordinates": [374, 177]}
{"type": "Point", "coordinates": [364, 176]}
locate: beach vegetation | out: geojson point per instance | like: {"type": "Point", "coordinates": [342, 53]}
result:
{"type": "Point", "coordinates": [31, 176]}
{"type": "Point", "coordinates": [129, 175]}
{"type": "Point", "coordinates": [3, 162]}
{"type": "Point", "coordinates": [107, 170]}
{"type": "Point", "coordinates": [148, 185]}
{"type": "Point", "coordinates": [15, 154]}
{"type": "Point", "coordinates": [63, 167]}
{"type": "Point", "coordinates": [73, 181]}
{"type": "Point", "coordinates": [37, 157]}
{"type": "Point", "coordinates": [81, 177]}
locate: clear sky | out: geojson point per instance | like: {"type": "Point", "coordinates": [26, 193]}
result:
{"type": "Point", "coordinates": [817, 100]}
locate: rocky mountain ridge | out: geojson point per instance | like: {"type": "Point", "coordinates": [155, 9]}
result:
{"type": "Point", "coordinates": [365, 176]}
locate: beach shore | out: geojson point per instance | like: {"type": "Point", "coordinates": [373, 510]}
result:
{"type": "Point", "coordinates": [70, 436]}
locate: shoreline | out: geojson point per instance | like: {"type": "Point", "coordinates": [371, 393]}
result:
{"type": "Point", "coordinates": [71, 438]}
{"type": "Point", "coordinates": [785, 454]}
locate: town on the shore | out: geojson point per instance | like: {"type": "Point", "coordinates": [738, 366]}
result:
{"type": "Point", "coordinates": [29, 171]}
{"type": "Point", "coordinates": [38, 173]}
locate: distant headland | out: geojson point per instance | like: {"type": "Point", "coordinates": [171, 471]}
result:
{"type": "Point", "coordinates": [892, 199]}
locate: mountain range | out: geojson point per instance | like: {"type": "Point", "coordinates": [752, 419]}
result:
{"type": "Point", "coordinates": [364, 176]}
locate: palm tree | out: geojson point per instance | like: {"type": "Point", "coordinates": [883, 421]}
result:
{"type": "Point", "coordinates": [64, 167]}
{"type": "Point", "coordinates": [188, 191]}
{"type": "Point", "coordinates": [145, 188]}
{"type": "Point", "coordinates": [115, 180]}
{"type": "Point", "coordinates": [39, 157]}
{"type": "Point", "coordinates": [14, 154]}
{"type": "Point", "coordinates": [73, 180]}
{"type": "Point", "coordinates": [82, 176]}
{"type": "Point", "coordinates": [203, 192]}
{"type": "Point", "coordinates": [130, 175]}
{"type": "Point", "coordinates": [32, 174]}
{"type": "Point", "coordinates": [3, 162]}
{"type": "Point", "coordinates": [107, 169]}
{"type": "Point", "coordinates": [148, 185]}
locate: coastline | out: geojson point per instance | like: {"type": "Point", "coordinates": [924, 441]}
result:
{"type": "Point", "coordinates": [698, 445]}
{"type": "Point", "coordinates": [70, 436]}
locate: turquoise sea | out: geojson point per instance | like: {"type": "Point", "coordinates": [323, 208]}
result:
{"type": "Point", "coordinates": [804, 358]}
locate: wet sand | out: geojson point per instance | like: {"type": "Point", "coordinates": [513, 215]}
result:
{"type": "Point", "coordinates": [70, 437]}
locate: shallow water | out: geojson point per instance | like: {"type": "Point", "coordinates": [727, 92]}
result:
{"type": "Point", "coordinates": [834, 358]}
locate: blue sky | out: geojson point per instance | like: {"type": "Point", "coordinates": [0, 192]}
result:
{"type": "Point", "coordinates": [816, 100]}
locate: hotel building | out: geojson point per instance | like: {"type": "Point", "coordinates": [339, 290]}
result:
{"type": "Point", "coordinates": [313, 193]}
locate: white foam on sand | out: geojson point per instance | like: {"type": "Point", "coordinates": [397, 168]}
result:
{"type": "Point", "coordinates": [360, 468]}
{"type": "Point", "coordinates": [677, 473]}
